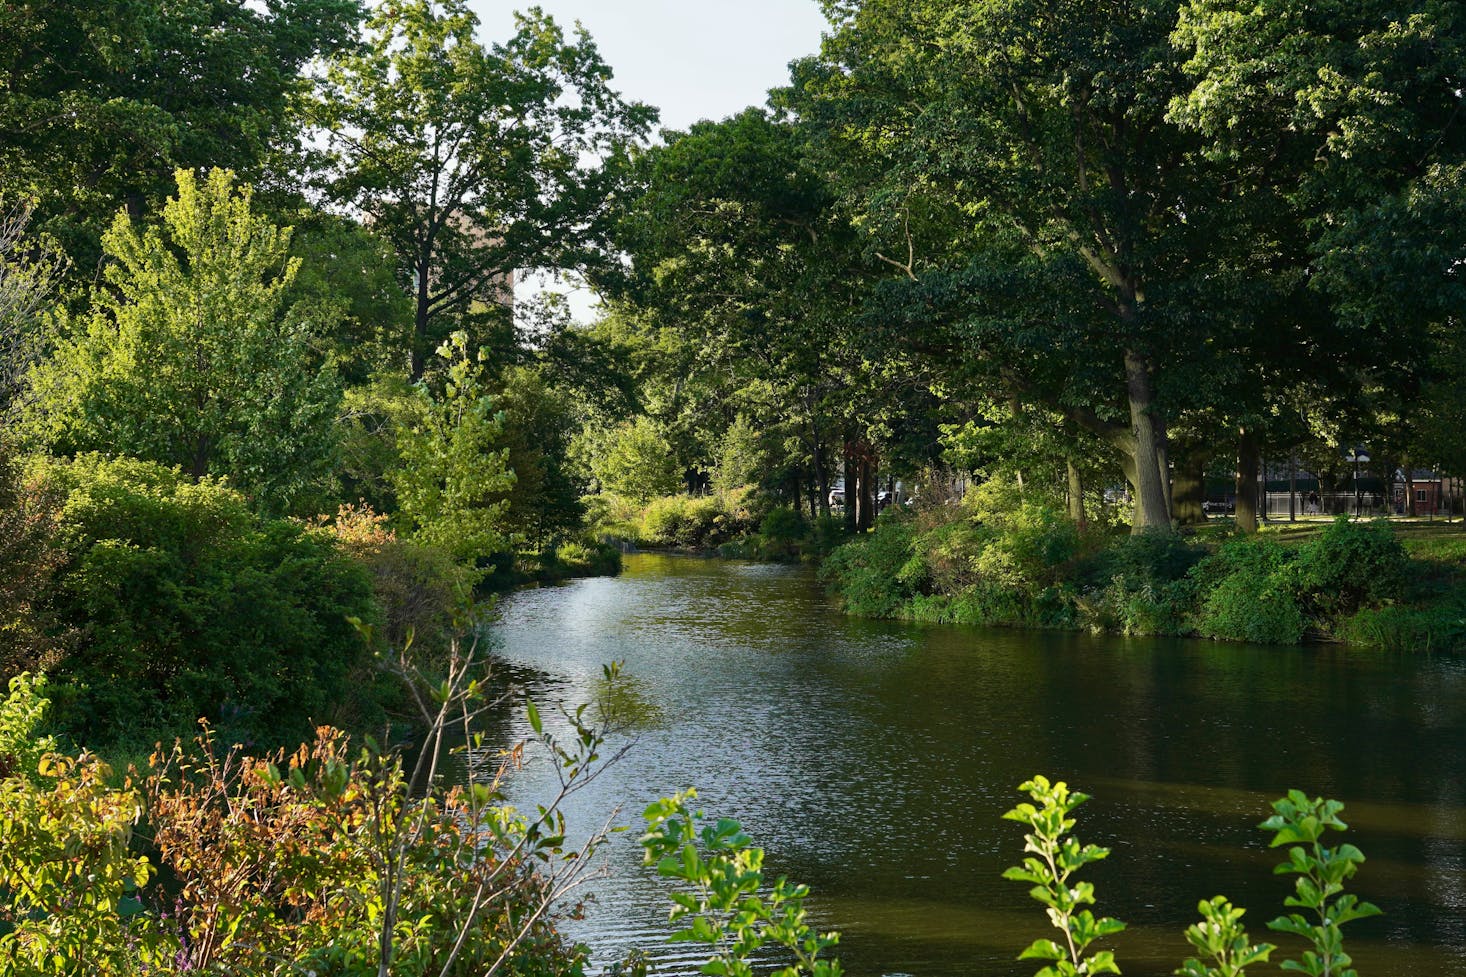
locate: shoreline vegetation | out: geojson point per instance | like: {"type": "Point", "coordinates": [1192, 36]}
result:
{"type": "Point", "coordinates": [1003, 557]}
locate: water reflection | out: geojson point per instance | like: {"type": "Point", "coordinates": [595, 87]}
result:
{"type": "Point", "coordinates": [873, 761]}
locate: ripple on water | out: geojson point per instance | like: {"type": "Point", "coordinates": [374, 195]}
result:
{"type": "Point", "coordinates": [873, 760]}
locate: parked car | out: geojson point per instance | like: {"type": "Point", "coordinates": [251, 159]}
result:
{"type": "Point", "coordinates": [1223, 506]}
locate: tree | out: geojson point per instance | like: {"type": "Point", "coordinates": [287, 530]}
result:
{"type": "Point", "coordinates": [189, 356]}
{"type": "Point", "coordinates": [474, 162]}
{"type": "Point", "coordinates": [1352, 112]}
{"type": "Point", "coordinates": [451, 481]}
{"type": "Point", "coordinates": [1016, 168]}
{"type": "Point", "coordinates": [103, 100]}
{"type": "Point", "coordinates": [738, 248]}
{"type": "Point", "coordinates": [544, 502]}
{"type": "Point", "coordinates": [28, 274]}
{"type": "Point", "coordinates": [634, 460]}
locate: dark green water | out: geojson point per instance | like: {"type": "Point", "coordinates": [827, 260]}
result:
{"type": "Point", "coordinates": [873, 761]}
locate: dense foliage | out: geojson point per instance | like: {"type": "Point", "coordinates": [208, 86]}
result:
{"type": "Point", "coordinates": [1001, 560]}
{"type": "Point", "coordinates": [321, 858]}
{"type": "Point", "coordinates": [189, 605]}
{"type": "Point", "coordinates": [190, 357]}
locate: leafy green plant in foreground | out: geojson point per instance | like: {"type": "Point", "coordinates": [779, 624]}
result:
{"type": "Point", "coordinates": [1055, 856]}
{"type": "Point", "coordinates": [724, 903]}
{"type": "Point", "coordinates": [1302, 822]}
{"type": "Point", "coordinates": [1222, 937]}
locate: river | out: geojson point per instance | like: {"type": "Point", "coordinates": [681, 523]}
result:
{"type": "Point", "coordinates": [872, 760]}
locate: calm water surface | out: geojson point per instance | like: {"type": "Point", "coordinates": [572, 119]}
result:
{"type": "Point", "coordinates": [873, 760]}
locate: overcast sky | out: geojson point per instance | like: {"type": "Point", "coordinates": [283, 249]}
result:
{"type": "Point", "coordinates": [693, 59]}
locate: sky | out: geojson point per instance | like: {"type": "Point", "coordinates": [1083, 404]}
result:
{"type": "Point", "coordinates": [693, 59]}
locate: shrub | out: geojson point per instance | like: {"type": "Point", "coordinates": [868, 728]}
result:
{"type": "Point", "coordinates": [1031, 547]}
{"type": "Point", "coordinates": [1437, 627]}
{"type": "Point", "coordinates": [423, 593]}
{"type": "Point", "coordinates": [1351, 565]}
{"type": "Point", "coordinates": [826, 533]}
{"type": "Point", "coordinates": [611, 517]}
{"type": "Point", "coordinates": [189, 605]}
{"type": "Point", "coordinates": [875, 574]}
{"type": "Point", "coordinates": [1246, 593]}
{"type": "Point", "coordinates": [987, 605]}
{"type": "Point", "coordinates": [783, 525]}
{"type": "Point", "coordinates": [30, 639]}
{"type": "Point", "coordinates": [589, 558]}
{"type": "Point", "coordinates": [1135, 605]}
{"type": "Point", "coordinates": [701, 522]}
{"type": "Point", "coordinates": [950, 551]}
{"type": "Point", "coordinates": [780, 534]}
{"type": "Point", "coordinates": [1152, 558]}
{"type": "Point", "coordinates": [21, 713]}
{"type": "Point", "coordinates": [325, 859]}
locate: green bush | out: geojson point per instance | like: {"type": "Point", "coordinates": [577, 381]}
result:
{"type": "Point", "coordinates": [781, 534]}
{"type": "Point", "coordinates": [589, 559]}
{"type": "Point", "coordinates": [1032, 547]}
{"type": "Point", "coordinates": [874, 575]}
{"type": "Point", "coordinates": [826, 534]}
{"type": "Point", "coordinates": [30, 639]}
{"type": "Point", "coordinates": [698, 522]}
{"type": "Point", "coordinates": [681, 520]}
{"type": "Point", "coordinates": [1137, 606]}
{"type": "Point", "coordinates": [424, 594]}
{"type": "Point", "coordinates": [949, 552]}
{"type": "Point", "coordinates": [1349, 566]}
{"type": "Point", "coordinates": [191, 606]}
{"type": "Point", "coordinates": [610, 517]}
{"type": "Point", "coordinates": [1153, 558]}
{"type": "Point", "coordinates": [1246, 592]}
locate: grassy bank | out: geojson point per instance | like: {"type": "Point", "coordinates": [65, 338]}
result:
{"type": "Point", "coordinates": [1001, 559]}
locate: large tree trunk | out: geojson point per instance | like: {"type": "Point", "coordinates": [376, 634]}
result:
{"type": "Point", "coordinates": [1163, 464]}
{"type": "Point", "coordinates": [850, 479]}
{"type": "Point", "coordinates": [1076, 496]}
{"type": "Point", "coordinates": [1247, 462]}
{"type": "Point", "coordinates": [1151, 510]}
{"type": "Point", "coordinates": [1410, 509]}
{"type": "Point", "coordinates": [1188, 492]}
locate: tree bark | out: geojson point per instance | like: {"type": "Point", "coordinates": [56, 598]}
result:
{"type": "Point", "coordinates": [1188, 491]}
{"type": "Point", "coordinates": [821, 475]}
{"type": "Point", "coordinates": [1076, 496]}
{"type": "Point", "coordinates": [420, 323]}
{"type": "Point", "coordinates": [1293, 488]}
{"type": "Point", "coordinates": [1151, 510]}
{"type": "Point", "coordinates": [1247, 462]}
{"type": "Point", "coordinates": [1163, 463]}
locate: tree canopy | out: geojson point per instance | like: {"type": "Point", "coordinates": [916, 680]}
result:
{"type": "Point", "coordinates": [477, 162]}
{"type": "Point", "coordinates": [190, 357]}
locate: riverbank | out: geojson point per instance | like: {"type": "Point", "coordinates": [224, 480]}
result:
{"type": "Point", "coordinates": [873, 759]}
{"type": "Point", "coordinates": [998, 560]}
